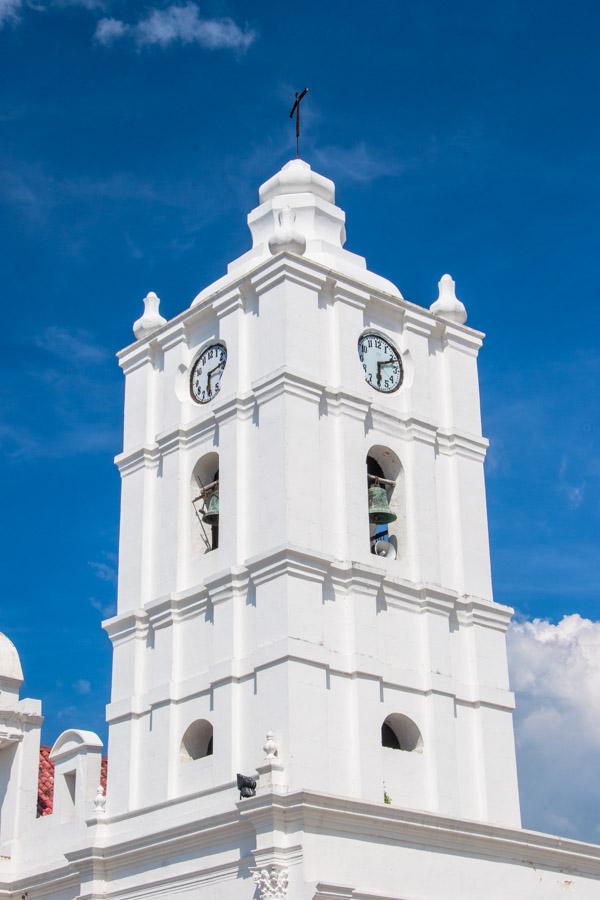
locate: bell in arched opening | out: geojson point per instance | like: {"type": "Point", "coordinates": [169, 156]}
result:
{"type": "Point", "coordinates": [211, 514]}
{"type": "Point", "coordinates": [379, 507]}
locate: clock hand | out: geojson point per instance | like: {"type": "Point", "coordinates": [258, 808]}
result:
{"type": "Point", "coordinates": [210, 375]}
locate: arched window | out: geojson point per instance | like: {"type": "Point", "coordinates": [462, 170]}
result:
{"type": "Point", "coordinates": [197, 740]}
{"type": "Point", "coordinates": [386, 511]}
{"type": "Point", "coordinates": [398, 732]}
{"type": "Point", "coordinates": [205, 501]}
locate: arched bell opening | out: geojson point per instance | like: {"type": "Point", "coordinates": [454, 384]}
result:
{"type": "Point", "coordinates": [385, 511]}
{"type": "Point", "coordinates": [398, 732]}
{"type": "Point", "coordinates": [205, 502]}
{"type": "Point", "coordinates": [197, 741]}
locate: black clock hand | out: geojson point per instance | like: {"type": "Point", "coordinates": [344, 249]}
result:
{"type": "Point", "coordinates": [210, 375]}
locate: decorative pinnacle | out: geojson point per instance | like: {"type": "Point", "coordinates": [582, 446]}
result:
{"type": "Point", "coordinates": [447, 305]}
{"type": "Point", "coordinates": [100, 801]}
{"type": "Point", "coordinates": [270, 747]}
{"type": "Point", "coordinates": [151, 320]}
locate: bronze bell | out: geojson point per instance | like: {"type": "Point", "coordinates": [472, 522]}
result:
{"type": "Point", "coordinates": [379, 508]}
{"type": "Point", "coordinates": [211, 516]}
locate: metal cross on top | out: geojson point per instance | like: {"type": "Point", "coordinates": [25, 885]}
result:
{"type": "Point", "coordinates": [296, 109]}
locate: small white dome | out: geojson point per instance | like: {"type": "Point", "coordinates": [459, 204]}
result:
{"type": "Point", "coordinates": [297, 177]}
{"type": "Point", "coordinates": [10, 664]}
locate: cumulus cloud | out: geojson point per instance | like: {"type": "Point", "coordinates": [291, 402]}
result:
{"type": "Point", "coordinates": [177, 24]}
{"type": "Point", "coordinates": [110, 30]}
{"type": "Point", "coordinates": [9, 11]}
{"type": "Point", "coordinates": [555, 671]}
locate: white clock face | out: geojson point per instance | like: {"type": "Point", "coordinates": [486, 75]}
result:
{"type": "Point", "coordinates": [205, 381]}
{"type": "Point", "coordinates": [381, 363]}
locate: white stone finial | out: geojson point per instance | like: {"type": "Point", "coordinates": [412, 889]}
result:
{"type": "Point", "coordinates": [270, 747]}
{"type": "Point", "coordinates": [447, 305]}
{"type": "Point", "coordinates": [100, 801]}
{"type": "Point", "coordinates": [151, 320]}
{"type": "Point", "coordinates": [287, 236]}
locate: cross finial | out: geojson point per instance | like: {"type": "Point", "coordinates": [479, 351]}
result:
{"type": "Point", "coordinates": [296, 109]}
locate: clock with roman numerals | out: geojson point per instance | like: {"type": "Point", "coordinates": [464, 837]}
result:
{"type": "Point", "coordinates": [205, 380]}
{"type": "Point", "coordinates": [381, 362]}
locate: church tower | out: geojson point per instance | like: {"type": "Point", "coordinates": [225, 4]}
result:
{"type": "Point", "coordinates": [310, 697]}
{"type": "Point", "coordinates": [304, 547]}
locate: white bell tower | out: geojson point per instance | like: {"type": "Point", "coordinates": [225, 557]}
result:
{"type": "Point", "coordinates": [304, 600]}
{"type": "Point", "coordinates": [379, 676]}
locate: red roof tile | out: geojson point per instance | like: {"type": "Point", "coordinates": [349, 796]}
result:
{"type": "Point", "coordinates": [45, 796]}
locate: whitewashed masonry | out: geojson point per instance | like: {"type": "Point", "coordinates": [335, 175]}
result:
{"type": "Point", "coordinates": [291, 628]}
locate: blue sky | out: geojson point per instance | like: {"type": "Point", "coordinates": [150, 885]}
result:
{"type": "Point", "coordinates": [462, 137]}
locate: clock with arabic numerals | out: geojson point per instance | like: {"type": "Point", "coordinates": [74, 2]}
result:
{"type": "Point", "coordinates": [381, 362]}
{"type": "Point", "coordinates": [205, 379]}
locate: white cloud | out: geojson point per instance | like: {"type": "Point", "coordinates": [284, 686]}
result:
{"type": "Point", "coordinates": [555, 672]}
{"type": "Point", "coordinates": [105, 571]}
{"type": "Point", "coordinates": [110, 30]}
{"type": "Point", "coordinates": [9, 11]}
{"type": "Point", "coordinates": [106, 610]}
{"type": "Point", "coordinates": [85, 4]}
{"type": "Point", "coordinates": [82, 686]}
{"type": "Point", "coordinates": [358, 163]}
{"type": "Point", "coordinates": [177, 24]}
{"type": "Point", "coordinates": [571, 491]}
{"type": "Point", "coordinates": [71, 345]}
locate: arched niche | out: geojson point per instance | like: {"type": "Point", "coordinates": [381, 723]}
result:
{"type": "Point", "coordinates": [383, 463]}
{"type": "Point", "coordinates": [197, 740]}
{"type": "Point", "coordinates": [398, 732]}
{"type": "Point", "coordinates": [205, 537]}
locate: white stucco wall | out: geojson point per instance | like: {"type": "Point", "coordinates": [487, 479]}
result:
{"type": "Point", "coordinates": [292, 626]}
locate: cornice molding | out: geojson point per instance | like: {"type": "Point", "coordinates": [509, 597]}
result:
{"type": "Point", "coordinates": [419, 321]}
{"type": "Point", "coordinates": [287, 267]}
{"type": "Point", "coordinates": [338, 401]}
{"type": "Point", "coordinates": [138, 458]}
{"type": "Point", "coordinates": [230, 301]}
{"type": "Point", "coordinates": [430, 831]}
{"type": "Point", "coordinates": [459, 337]}
{"type": "Point", "coordinates": [295, 650]}
{"type": "Point", "coordinates": [234, 407]}
{"type": "Point", "coordinates": [133, 623]}
{"type": "Point", "coordinates": [452, 443]}
{"type": "Point", "coordinates": [297, 812]}
{"type": "Point", "coordinates": [342, 402]}
{"type": "Point", "coordinates": [477, 611]}
{"type": "Point", "coordinates": [20, 719]}
{"type": "Point", "coordinates": [349, 294]}
{"type": "Point", "coordinates": [285, 381]}
{"type": "Point", "coordinates": [228, 292]}
{"type": "Point", "coordinates": [288, 560]}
